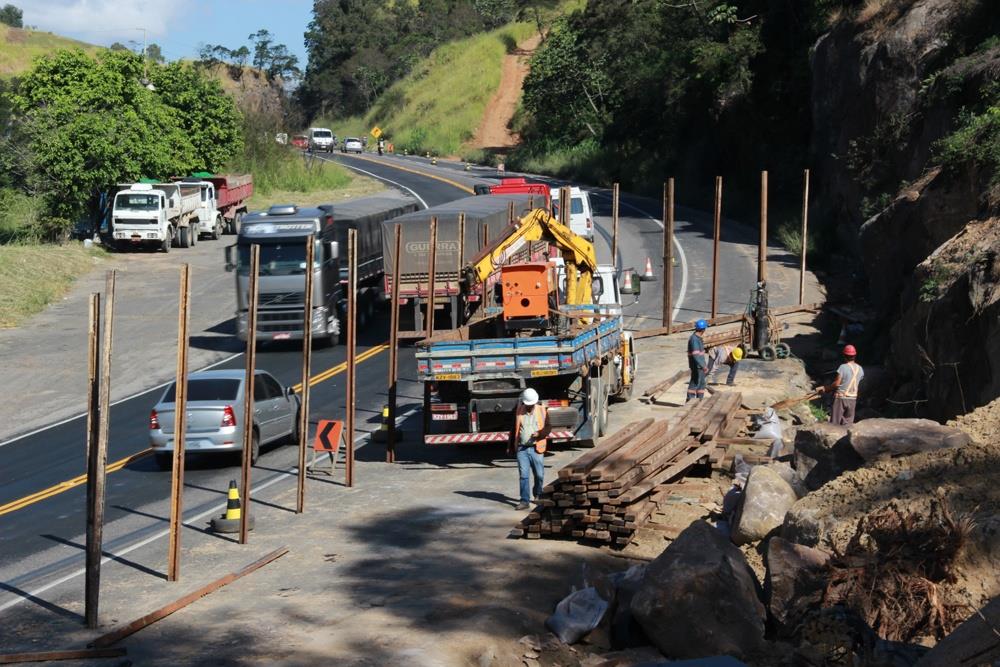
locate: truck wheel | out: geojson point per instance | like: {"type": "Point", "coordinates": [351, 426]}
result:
{"type": "Point", "coordinates": [183, 238]}
{"type": "Point", "coordinates": [217, 230]}
{"type": "Point", "coordinates": [604, 394]}
{"type": "Point", "coordinates": [195, 232]}
{"type": "Point", "coordinates": [593, 389]}
{"type": "Point", "coordinates": [165, 245]}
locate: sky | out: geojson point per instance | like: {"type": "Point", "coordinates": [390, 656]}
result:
{"type": "Point", "coordinates": [180, 27]}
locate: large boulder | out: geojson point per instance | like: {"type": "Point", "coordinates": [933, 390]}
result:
{"type": "Point", "coordinates": [699, 598]}
{"type": "Point", "coordinates": [766, 499]}
{"type": "Point", "coordinates": [822, 453]}
{"type": "Point", "coordinates": [878, 439]}
{"type": "Point", "coordinates": [795, 580]}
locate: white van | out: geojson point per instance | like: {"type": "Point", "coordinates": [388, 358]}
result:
{"type": "Point", "coordinates": [581, 217]}
{"type": "Point", "coordinates": [321, 139]}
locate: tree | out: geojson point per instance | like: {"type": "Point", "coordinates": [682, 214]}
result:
{"type": "Point", "coordinates": [12, 16]}
{"type": "Point", "coordinates": [118, 46]}
{"type": "Point", "coordinates": [154, 54]}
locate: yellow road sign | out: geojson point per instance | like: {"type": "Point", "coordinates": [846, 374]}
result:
{"type": "Point", "coordinates": [376, 132]}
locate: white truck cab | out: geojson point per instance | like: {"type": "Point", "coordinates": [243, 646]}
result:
{"type": "Point", "coordinates": [160, 214]}
{"type": "Point", "coordinates": [581, 216]}
{"type": "Point", "coordinates": [321, 139]}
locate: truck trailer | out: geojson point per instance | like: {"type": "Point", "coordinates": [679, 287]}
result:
{"type": "Point", "coordinates": [454, 302]}
{"type": "Point", "coordinates": [232, 192]}
{"type": "Point", "coordinates": [282, 233]}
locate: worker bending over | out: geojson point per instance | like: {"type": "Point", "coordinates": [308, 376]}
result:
{"type": "Point", "coordinates": [729, 355]}
{"type": "Point", "coordinates": [697, 362]}
{"type": "Point", "coordinates": [845, 388]}
{"type": "Point", "coordinates": [531, 427]}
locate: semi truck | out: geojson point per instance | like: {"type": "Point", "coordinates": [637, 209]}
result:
{"type": "Point", "coordinates": [454, 301]}
{"type": "Point", "coordinates": [558, 329]}
{"type": "Point", "coordinates": [161, 215]}
{"type": "Point", "coordinates": [282, 233]}
{"type": "Point", "coordinates": [229, 196]}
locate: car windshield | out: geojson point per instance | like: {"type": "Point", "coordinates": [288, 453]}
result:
{"type": "Point", "coordinates": [137, 202]}
{"type": "Point", "coordinates": [207, 389]}
{"type": "Point", "coordinates": [276, 259]}
{"type": "Point", "coordinates": [353, 140]}
{"type": "Point", "coordinates": [322, 134]}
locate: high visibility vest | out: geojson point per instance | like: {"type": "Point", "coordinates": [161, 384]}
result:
{"type": "Point", "coordinates": [539, 412]}
{"type": "Point", "coordinates": [851, 389]}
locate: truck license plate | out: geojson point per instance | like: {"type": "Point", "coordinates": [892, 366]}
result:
{"type": "Point", "coordinates": [543, 372]}
{"type": "Point", "coordinates": [281, 336]}
{"type": "Point", "coordinates": [444, 416]}
{"type": "Point", "coordinates": [447, 376]}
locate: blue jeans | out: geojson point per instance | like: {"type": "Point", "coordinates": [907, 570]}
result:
{"type": "Point", "coordinates": [530, 462]}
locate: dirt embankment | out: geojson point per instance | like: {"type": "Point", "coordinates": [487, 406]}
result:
{"type": "Point", "coordinates": [494, 130]}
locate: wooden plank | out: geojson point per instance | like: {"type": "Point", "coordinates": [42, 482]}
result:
{"type": "Point", "coordinates": [665, 385]}
{"type": "Point", "coordinates": [585, 463]}
{"type": "Point", "coordinates": [652, 465]}
{"type": "Point", "coordinates": [679, 467]}
{"type": "Point", "coordinates": [116, 636]}
{"type": "Point", "coordinates": [641, 440]}
{"type": "Point", "coordinates": [70, 654]}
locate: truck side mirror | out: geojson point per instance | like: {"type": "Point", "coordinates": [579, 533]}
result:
{"type": "Point", "coordinates": [332, 249]}
{"type": "Point", "coordinates": [230, 264]}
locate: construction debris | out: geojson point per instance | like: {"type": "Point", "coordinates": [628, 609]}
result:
{"type": "Point", "coordinates": [610, 491]}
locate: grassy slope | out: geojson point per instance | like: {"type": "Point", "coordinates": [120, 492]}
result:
{"type": "Point", "coordinates": [439, 105]}
{"type": "Point", "coordinates": [19, 48]}
{"type": "Point", "coordinates": [32, 276]}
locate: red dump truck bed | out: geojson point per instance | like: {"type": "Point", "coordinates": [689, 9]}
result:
{"type": "Point", "coordinates": [232, 189]}
{"type": "Point", "coordinates": [522, 186]}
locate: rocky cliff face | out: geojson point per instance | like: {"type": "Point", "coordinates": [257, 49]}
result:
{"type": "Point", "coordinates": [887, 86]}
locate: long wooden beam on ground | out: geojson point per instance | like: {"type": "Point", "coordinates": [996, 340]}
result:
{"type": "Point", "coordinates": [725, 319]}
{"type": "Point", "coordinates": [69, 654]}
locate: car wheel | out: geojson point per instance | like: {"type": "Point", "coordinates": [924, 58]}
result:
{"type": "Point", "coordinates": [164, 460]}
{"type": "Point", "coordinates": [254, 447]}
{"type": "Point", "coordinates": [293, 437]}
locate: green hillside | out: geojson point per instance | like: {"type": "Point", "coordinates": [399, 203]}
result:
{"type": "Point", "coordinates": [438, 106]}
{"type": "Point", "coordinates": [19, 48]}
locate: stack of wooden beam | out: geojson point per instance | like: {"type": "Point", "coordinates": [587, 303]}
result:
{"type": "Point", "coordinates": [607, 493]}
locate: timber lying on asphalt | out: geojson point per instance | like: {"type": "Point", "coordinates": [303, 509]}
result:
{"type": "Point", "coordinates": [609, 492]}
{"type": "Point", "coordinates": [725, 319]}
{"type": "Point", "coordinates": [121, 633]}
{"type": "Point", "coordinates": [71, 654]}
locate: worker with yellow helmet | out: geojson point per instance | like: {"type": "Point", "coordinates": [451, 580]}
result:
{"type": "Point", "coordinates": [730, 355]}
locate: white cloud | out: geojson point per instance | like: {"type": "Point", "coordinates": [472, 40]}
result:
{"type": "Point", "coordinates": [102, 21]}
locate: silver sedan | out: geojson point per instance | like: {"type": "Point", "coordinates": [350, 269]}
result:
{"type": "Point", "coordinates": [215, 413]}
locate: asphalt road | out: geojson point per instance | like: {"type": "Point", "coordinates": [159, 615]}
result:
{"type": "Point", "coordinates": [42, 542]}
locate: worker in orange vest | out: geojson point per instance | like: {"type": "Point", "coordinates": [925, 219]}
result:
{"type": "Point", "coordinates": [845, 387]}
{"type": "Point", "coordinates": [531, 427]}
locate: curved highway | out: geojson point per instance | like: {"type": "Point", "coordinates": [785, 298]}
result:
{"type": "Point", "coordinates": [42, 498]}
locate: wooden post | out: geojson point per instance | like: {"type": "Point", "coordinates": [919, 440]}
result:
{"type": "Point", "coordinates": [93, 421]}
{"type": "Point", "coordinates": [352, 343]}
{"type": "Point", "coordinates": [390, 453]}
{"type": "Point", "coordinates": [715, 245]}
{"type": "Point", "coordinates": [97, 462]}
{"type": "Point", "coordinates": [307, 319]}
{"type": "Point", "coordinates": [614, 224]}
{"type": "Point", "coordinates": [762, 244]}
{"type": "Point", "coordinates": [180, 426]}
{"type": "Point", "coordinates": [253, 292]}
{"type": "Point", "coordinates": [564, 206]}
{"type": "Point", "coordinates": [668, 253]}
{"type": "Point", "coordinates": [805, 237]}
{"type": "Point", "coordinates": [510, 212]}
{"type": "Point", "coordinates": [432, 277]}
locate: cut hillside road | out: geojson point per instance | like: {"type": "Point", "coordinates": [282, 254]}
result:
{"type": "Point", "coordinates": [494, 132]}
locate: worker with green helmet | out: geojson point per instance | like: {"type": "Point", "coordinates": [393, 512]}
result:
{"type": "Point", "coordinates": [697, 362]}
{"type": "Point", "coordinates": [729, 355]}
{"type": "Point", "coordinates": [845, 387]}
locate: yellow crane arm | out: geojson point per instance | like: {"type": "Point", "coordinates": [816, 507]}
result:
{"type": "Point", "coordinates": [577, 252]}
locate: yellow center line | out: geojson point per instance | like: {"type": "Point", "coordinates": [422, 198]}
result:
{"type": "Point", "coordinates": [61, 487]}
{"type": "Point", "coordinates": [450, 182]}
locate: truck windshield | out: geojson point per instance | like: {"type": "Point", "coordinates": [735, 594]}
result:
{"type": "Point", "coordinates": [322, 134]}
{"type": "Point", "coordinates": [276, 259]}
{"type": "Point", "coordinates": [137, 202]}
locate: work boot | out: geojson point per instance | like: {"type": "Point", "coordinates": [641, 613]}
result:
{"type": "Point", "coordinates": [522, 506]}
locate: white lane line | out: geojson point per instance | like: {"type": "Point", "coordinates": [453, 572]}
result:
{"type": "Point", "coordinates": [291, 472]}
{"type": "Point", "coordinates": [120, 400]}
{"type": "Point", "coordinates": [381, 178]}
{"type": "Point", "coordinates": [677, 244]}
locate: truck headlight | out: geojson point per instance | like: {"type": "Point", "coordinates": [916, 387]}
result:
{"type": "Point", "coordinates": [241, 321]}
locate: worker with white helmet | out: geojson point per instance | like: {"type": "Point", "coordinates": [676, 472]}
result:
{"type": "Point", "coordinates": [729, 355]}
{"type": "Point", "coordinates": [531, 427]}
{"type": "Point", "coordinates": [845, 387]}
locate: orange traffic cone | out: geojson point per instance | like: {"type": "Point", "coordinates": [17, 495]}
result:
{"type": "Point", "coordinates": [648, 273]}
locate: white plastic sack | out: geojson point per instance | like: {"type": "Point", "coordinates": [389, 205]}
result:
{"type": "Point", "coordinates": [770, 429]}
{"type": "Point", "coordinates": [576, 615]}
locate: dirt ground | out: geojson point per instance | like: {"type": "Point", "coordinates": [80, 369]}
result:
{"type": "Point", "coordinates": [494, 132]}
{"type": "Point", "coordinates": [983, 423]}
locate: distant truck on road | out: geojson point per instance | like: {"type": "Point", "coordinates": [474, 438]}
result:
{"type": "Point", "coordinates": [282, 233]}
{"type": "Point", "coordinates": [230, 197]}
{"type": "Point", "coordinates": [156, 214]}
